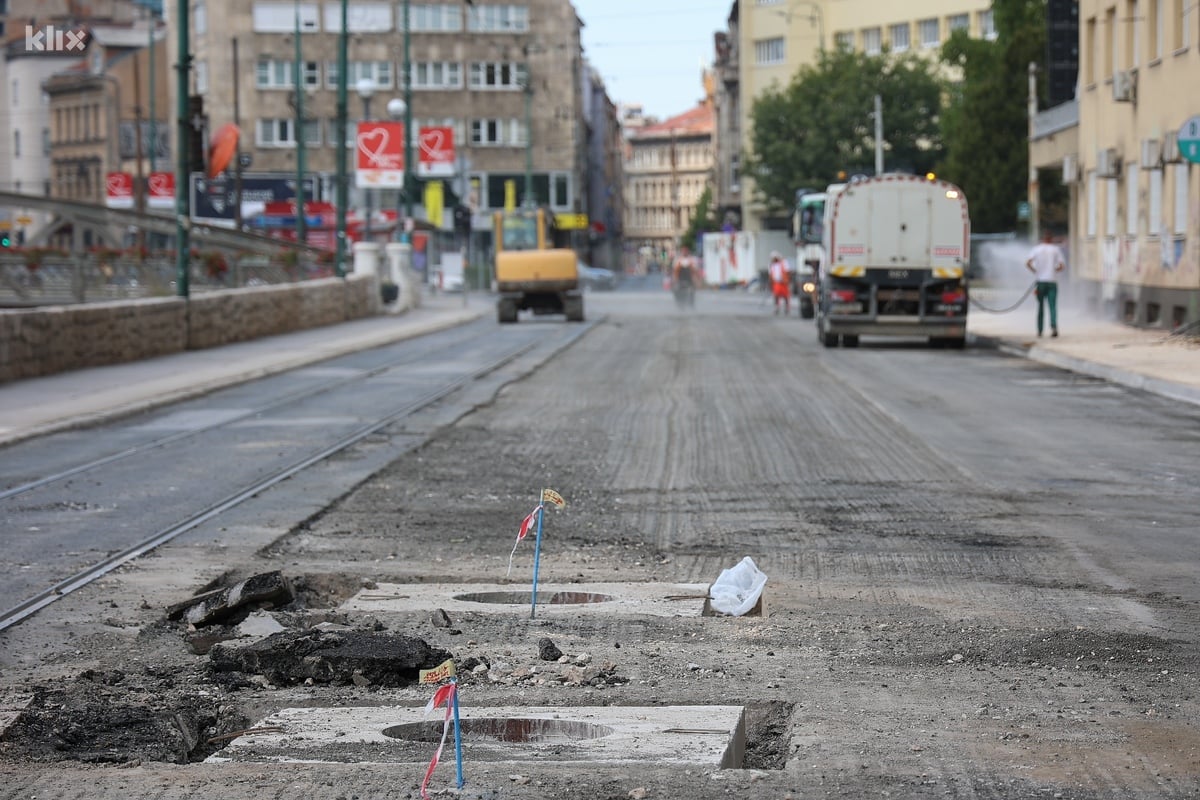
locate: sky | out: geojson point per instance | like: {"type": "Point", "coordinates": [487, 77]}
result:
{"type": "Point", "coordinates": [651, 52]}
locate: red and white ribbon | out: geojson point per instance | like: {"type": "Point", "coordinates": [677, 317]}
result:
{"type": "Point", "coordinates": [526, 524]}
{"type": "Point", "coordinates": [446, 695]}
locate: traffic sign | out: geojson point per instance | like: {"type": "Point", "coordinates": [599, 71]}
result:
{"type": "Point", "coordinates": [24, 220]}
{"type": "Point", "coordinates": [1023, 210]}
{"type": "Point", "coordinates": [1189, 139]}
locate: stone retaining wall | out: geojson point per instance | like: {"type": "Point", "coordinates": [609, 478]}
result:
{"type": "Point", "coordinates": [45, 341]}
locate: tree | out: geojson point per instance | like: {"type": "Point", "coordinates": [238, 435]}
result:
{"type": "Point", "coordinates": [821, 124]}
{"type": "Point", "coordinates": [702, 220]}
{"type": "Point", "coordinates": [985, 127]}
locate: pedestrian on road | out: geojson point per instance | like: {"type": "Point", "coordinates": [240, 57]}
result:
{"type": "Point", "coordinates": [781, 278]}
{"type": "Point", "coordinates": [1045, 261]}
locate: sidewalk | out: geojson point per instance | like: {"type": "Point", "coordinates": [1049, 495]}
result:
{"type": "Point", "coordinates": [56, 402]}
{"type": "Point", "coordinates": [1149, 360]}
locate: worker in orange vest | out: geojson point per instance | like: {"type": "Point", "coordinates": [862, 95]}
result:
{"type": "Point", "coordinates": [781, 279]}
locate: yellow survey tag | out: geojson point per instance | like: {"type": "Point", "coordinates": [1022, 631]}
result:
{"type": "Point", "coordinates": [442, 672]}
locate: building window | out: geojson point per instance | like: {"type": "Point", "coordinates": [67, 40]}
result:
{"type": "Point", "coordinates": [498, 19]}
{"type": "Point", "coordinates": [378, 71]}
{"type": "Point", "coordinates": [199, 18]}
{"type": "Point", "coordinates": [987, 25]}
{"type": "Point", "coordinates": [899, 35]}
{"type": "Point", "coordinates": [872, 39]}
{"type": "Point", "coordinates": [1131, 200]}
{"type": "Point", "coordinates": [437, 75]}
{"type": "Point", "coordinates": [1091, 205]}
{"type": "Point", "coordinates": [16, 144]}
{"type": "Point", "coordinates": [434, 18]}
{"type": "Point", "coordinates": [45, 141]}
{"type": "Point", "coordinates": [1110, 206]}
{"type": "Point", "coordinates": [497, 132]}
{"type": "Point", "coordinates": [929, 32]}
{"type": "Point", "coordinates": [843, 40]}
{"type": "Point", "coordinates": [1179, 21]}
{"type": "Point", "coordinates": [276, 17]}
{"type": "Point", "coordinates": [1089, 51]}
{"type": "Point", "coordinates": [1157, 21]}
{"type": "Point", "coordinates": [351, 133]}
{"type": "Point", "coordinates": [360, 17]}
{"type": "Point", "coordinates": [201, 77]}
{"type": "Point", "coordinates": [488, 75]}
{"type": "Point", "coordinates": [768, 51]}
{"type": "Point", "coordinates": [270, 74]}
{"type": "Point", "coordinates": [1181, 199]}
{"type": "Point", "coordinates": [282, 132]}
{"type": "Point", "coordinates": [958, 22]}
{"type": "Point", "coordinates": [1154, 199]}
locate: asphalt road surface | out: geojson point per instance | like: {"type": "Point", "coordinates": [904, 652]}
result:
{"type": "Point", "coordinates": [980, 577]}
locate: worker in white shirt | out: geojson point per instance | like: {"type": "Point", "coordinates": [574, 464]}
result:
{"type": "Point", "coordinates": [1045, 262]}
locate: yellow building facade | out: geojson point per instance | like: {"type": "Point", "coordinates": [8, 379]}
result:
{"type": "Point", "coordinates": [1135, 196]}
{"type": "Point", "coordinates": [778, 37]}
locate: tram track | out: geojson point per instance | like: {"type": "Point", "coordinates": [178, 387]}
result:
{"type": "Point", "coordinates": [80, 578]}
{"type": "Point", "coordinates": [275, 405]}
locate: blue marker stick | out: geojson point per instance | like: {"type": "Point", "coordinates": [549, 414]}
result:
{"type": "Point", "coordinates": [457, 737]}
{"type": "Point", "coordinates": [537, 554]}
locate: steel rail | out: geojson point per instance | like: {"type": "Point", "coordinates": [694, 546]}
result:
{"type": "Point", "coordinates": [280, 402]}
{"type": "Point", "coordinates": [86, 576]}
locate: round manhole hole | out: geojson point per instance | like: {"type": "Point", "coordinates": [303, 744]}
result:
{"type": "Point", "coordinates": [515, 730]}
{"type": "Point", "coordinates": [544, 598]}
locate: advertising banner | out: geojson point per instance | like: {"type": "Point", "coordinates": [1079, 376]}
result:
{"type": "Point", "coordinates": [118, 190]}
{"type": "Point", "coordinates": [380, 155]}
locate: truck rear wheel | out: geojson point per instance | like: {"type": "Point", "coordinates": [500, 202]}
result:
{"type": "Point", "coordinates": [849, 341]}
{"type": "Point", "coordinates": [506, 309]}
{"type": "Point", "coordinates": [827, 339]}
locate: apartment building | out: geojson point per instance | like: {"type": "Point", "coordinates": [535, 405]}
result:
{"type": "Point", "coordinates": [775, 38]}
{"type": "Point", "coordinates": [506, 78]}
{"type": "Point", "coordinates": [1123, 150]}
{"type": "Point", "coordinates": [668, 165]}
{"type": "Point", "coordinates": [42, 38]}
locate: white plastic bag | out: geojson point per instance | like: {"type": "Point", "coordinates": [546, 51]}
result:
{"type": "Point", "coordinates": [738, 588]}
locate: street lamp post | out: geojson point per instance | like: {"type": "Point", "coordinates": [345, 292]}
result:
{"type": "Point", "coordinates": [365, 88]}
{"type": "Point", "coordinates": [408, 137]}
{"type": "Point", "coordinates": [398, 109]}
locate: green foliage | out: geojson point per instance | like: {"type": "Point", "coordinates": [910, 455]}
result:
{"type": "Point", "coordinates": [985, 126]}
{"type": "Point", "coordinates": [822, 123]}
{"type": "Point", "coordinates": [703, 221]}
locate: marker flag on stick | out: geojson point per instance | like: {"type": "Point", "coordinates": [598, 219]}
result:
{"type": "Point", "coordinates": [523, 531]}
{"type": "Point", "coordinates": [554, 498]}
{"type": "Point", "coordinates": [447, 695]}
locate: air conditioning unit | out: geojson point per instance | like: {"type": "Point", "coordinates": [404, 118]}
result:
{"type": "Point", "coordinates": [1151, 154]}
{"type": "Point", "coordinates": [1108, 163]}
{"type": "Point", "coordinates": [1070, 169]}
{"type": "Point", "coordinates": [1170, 148]}
{"type": "Point", "coordinates": [1124, 86]}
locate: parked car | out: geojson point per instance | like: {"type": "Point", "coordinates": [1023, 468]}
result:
{"type": "Point", "coordinates": [597, 278]}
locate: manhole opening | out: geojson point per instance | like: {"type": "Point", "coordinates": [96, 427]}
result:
{"type": "Point", "coordinates": [514, 730]}
{"type": "Point", "coordinates": [544, 598]}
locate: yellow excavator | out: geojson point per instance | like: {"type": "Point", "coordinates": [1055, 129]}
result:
{"type": "Point", "coordinates": [532, 273]}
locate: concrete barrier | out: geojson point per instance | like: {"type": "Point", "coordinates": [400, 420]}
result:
{"type": "Point", "coordinates": [44, 341]}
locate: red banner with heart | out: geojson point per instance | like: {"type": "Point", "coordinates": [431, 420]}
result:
{"type": "Point", "coordinates": [118, 190]}
{"type": "Point", "coordinates": [162, 190]}
{"type": "Point", "coordinates": [436, 159]}
{"type": "Point", "coordinates": [380, 155]}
